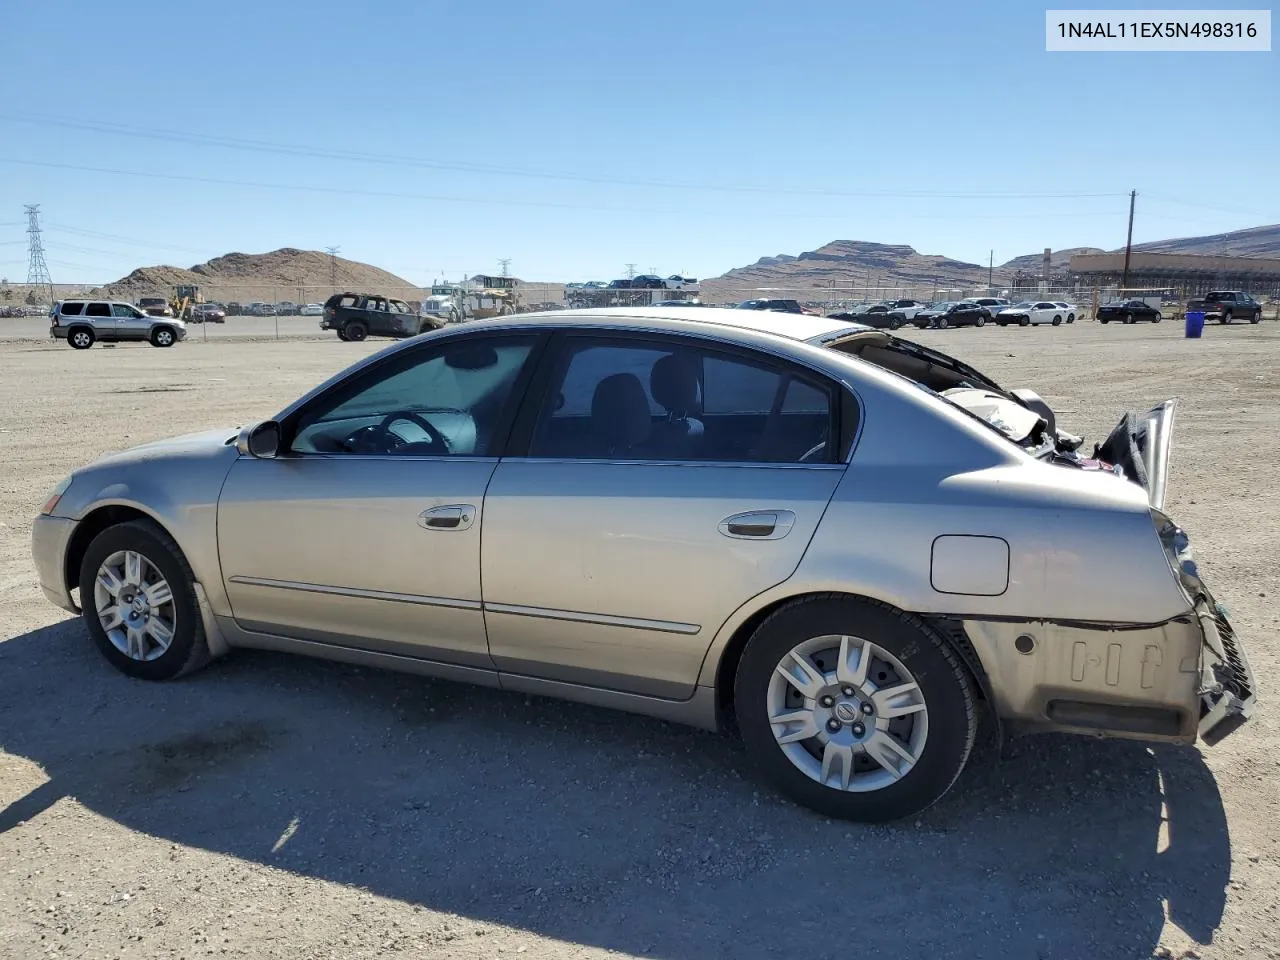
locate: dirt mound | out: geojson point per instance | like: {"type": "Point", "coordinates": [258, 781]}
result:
{"type": "Point", "coordinates": [302, 276]}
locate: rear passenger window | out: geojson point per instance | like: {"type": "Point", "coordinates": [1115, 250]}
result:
{"type": "Point", "coordinates": [72, 309]}
{"type": "Point", "coordinates": [639, 399]}
{"type": "Point", "coordinates": [98, 310]}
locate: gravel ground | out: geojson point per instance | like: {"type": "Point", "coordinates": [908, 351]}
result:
{"type": "Point", "coordinates": [279, 807]}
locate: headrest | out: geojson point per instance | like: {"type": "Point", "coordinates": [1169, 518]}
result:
{"type": "Point", "coordinates": [620, 411]}
{"type": "Point", "coordinates": [674, 384]}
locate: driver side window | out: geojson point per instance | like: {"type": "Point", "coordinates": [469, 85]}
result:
{"type": "Point", "coordinates": [443, 400]}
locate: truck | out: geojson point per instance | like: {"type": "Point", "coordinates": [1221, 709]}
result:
{"type": "Point", "coordinates": [1227, 305]}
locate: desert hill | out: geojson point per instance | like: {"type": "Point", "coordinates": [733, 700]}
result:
{"type": "Point", "coordinates": [286, 274]}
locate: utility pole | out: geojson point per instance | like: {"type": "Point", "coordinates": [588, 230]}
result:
{"type": "Point", "coordinates": [505, 263]}
{"type": "Point", "coordinates": [37, 269]}
{"type": "Point", "coordinates": [1128, 246]}
{"type": "Point", "coordinates": [991, 260]}
{"type": "Point", "coordinates": [333, 268]}
{"type": "Point", "coordinates": [631, 270]}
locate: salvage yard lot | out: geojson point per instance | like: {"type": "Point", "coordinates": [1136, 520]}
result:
{"type": "Point", "coordinates": [279, 807]}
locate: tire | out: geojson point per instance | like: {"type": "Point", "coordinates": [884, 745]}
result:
{"type": "Point", "coordinates": [355, 331]}
{"type": "Point", "coordinates": [1024, 321]}
{"type": "Point", "coordinates": [1103, 320]}
{"type": "Point", "coordinates": [894, 323]}
{"type": "Point", "coordinates": [942, 684]}
{"type": "Point", "coordinates": [1002, 323]}
{"type": "Point", "coordinates": [980, 321]}
{"type": "Point", "coordinates": [1226, 317]}
{"type": "Point", "coordinates": [1057, 321]}
{"type": "Point", "coordinates": [1127, 318]}
{"type": "Point", "coordinates": [1257, 317]}
{"type": "Point", "coordinates": [162, 337]}
{"type": "Point", "coordinates": [342, 335]}
{"type": "Point", "coordinates": [81, 338]}
{"type": "Point", "coordinates": [1071, 318]}
{"type": "Point", "coordinates": [188, 648]}
{"type": "Point", "coordinates": [943, 323]}
{"type": "Point", "coordinates": [1157, 318]}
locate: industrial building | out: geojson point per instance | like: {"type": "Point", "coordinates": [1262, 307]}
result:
{"type": "Point", "coordinates": [1182, 274]}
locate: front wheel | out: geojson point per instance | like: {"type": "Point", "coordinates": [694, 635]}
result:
{"type": "Point", "coordinates": [894, 323]}
{"type": "Point", "coordinates": [162, 337]}
{"type": "Point", "coordinates": [1057, 321]}
{"type": "Point", "coordinates": [1257, 317]}
{"type": "Point", "coordinates": [980, 321]}
{"type": "Point", "coordinates": [139, 604]}
{"type": "Point", "coordinates": [943, 323]}
{"type": "Point", "coordinates": [1102, 319]}
{"type": "Point", "coordinates": [1024, 322]}
{"type": "Point", "coordinates": [1157, 318]}
{"type": "Point", "coordinates": [1128, 318]}
{"type": "Point", "coordinates": [853, 709]}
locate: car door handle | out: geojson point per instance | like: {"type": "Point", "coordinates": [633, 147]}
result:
{"type": "Point", "coordinates": [758, 525]}
{"type": "Point", "coordinates": [453, 516]}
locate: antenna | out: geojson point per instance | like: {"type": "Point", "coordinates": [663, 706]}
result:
{"type": "Point", "coordinates": [37, 269]}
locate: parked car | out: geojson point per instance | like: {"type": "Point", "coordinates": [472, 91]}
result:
{"type": "Point", "coordinates": [623, 284]}
{"type": "Point", "coordinates": [259, 309]}
{"type": "Point", "coordinates": [286, 308]}
{"type": "Point", "coordinates": [311, 310]}
{"type": "Point", "coordinates": [1070, 309]}
{"type": "Point", "coordinates": [677, 282]}
{"type": "Point", "coordinates": [155, 306]}
{"type": "Point", "coordinates": [884, 313]}
{"type": "Point", "coordinates": [648, 282]}
{"type": "Point", "coordinates": [1128, 311]}
{"type": "Point", "coordinates": [354, 316]}
{"type": "Point", "coordinates": [856, 613]}
{"type": "Point", "coordinates": [82, 323]}
{"type": "Point", "coordinates": [1227, 305]}
{"type": "Point", "coordinates": [993, 304]}
{"type": "Point", "coordinates": [952, 313]}
{"type": "Point", "coordinates": [208, 313]}
{"type": "Point", "coordinates": [695, 302]}
{"type": "Point", "coordinates": [778, 306]}
{"type": "Point", "coordinates": [1031, 312]}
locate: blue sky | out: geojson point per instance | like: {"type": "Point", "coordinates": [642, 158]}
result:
{"type": "Point", "coordinates": [433, 138]}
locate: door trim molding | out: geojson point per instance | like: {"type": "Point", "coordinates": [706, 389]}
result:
{"type": "Point", "coordinates": [357, 592]}
{"type": "Point", "coordinates": [603, 619]}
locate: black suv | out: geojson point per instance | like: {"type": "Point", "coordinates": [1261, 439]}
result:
{"type": "Point", "coordinates": [358, 315]}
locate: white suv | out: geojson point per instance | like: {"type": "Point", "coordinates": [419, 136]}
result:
{"type": "Point", "coordinates": [83, 322]}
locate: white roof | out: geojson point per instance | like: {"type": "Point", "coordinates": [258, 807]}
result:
{"type": "Point", "coordinates": [794, 326]}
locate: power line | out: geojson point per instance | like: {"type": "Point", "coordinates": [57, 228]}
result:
{"type": "Point", "coordinates": [37, 269]}
{"type": "Point", "coordinates": [265, 146]}
{"type": "Point", "coordinates": [592, 208]}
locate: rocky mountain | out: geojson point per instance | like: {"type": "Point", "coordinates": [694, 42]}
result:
{"type": "Point", "coordinates": [867, 266]}
{"type": "Point", "coordinates": [1254, 242]}
{"type": "Point", "coordinates": [285, 274]}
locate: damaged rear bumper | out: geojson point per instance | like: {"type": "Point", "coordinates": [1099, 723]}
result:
{"type": "Point", "coordinates": [1227, 693]}
{"type": "Point", "coordinates": [1181, 681]}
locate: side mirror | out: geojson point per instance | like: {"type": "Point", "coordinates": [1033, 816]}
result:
{"type": "Point", "coordinates": [261, 440]}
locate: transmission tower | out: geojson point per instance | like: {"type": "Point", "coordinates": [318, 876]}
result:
{"type": "Point", "coordinates": [505, 264]}
{"type": "Point", "coordinates": [333, 268]}
{"type": "Point", "coordinates": [631, 270]}
{"type": "Point", "coordinates": [37, 269]}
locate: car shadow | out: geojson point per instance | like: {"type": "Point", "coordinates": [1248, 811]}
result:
{"type": "Point", "coordinates": [608, 830]}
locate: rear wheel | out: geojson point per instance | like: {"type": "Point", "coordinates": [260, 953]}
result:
{"type": "Point", "coordinates": [139, 604]}
{"type": "Point", "coordinates": [1024, 321]}
{"type": "Point", "coordinates": [1103, 319]}
{"type": "Point", "coordinates": [853, 709]}
{"type": "Point", "coordinates": [355, 331]}
{"type": "Point", "coordinates": [1128, 318]}
{"type": "Point", "coordinates": [81, 338]}
{"type": "Point", "coordinates": [1226, 317]}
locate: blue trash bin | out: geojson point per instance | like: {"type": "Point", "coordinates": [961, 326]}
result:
{"type": "Point", "coordinates": [1195, 324]}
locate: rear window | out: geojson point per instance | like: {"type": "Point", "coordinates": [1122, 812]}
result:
{"type": "Point", "coordinates": [72, 309]}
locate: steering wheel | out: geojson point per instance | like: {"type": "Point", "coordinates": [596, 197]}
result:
{"type": "Point", "coordinates": [382, 439]}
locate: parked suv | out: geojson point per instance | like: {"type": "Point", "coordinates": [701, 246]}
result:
{"type": "Point", "coordinates": [155, 306]}
{"type": "Point", "coordinates": [83, 322]}
{"type": "Point", "coordinates": [355, 316]}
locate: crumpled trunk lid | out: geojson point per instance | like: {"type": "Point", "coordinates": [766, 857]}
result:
{"type": "Point", "coordinates": [1140, 446]}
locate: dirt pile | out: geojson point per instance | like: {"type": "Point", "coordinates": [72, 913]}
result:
{"type": "Point", "coordinates": [302, 276]}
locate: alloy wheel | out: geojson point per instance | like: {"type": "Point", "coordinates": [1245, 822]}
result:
{"type": "Point", "coordinates": [847, 713]}
{"type": "Point", "coordinates": [135, 605]}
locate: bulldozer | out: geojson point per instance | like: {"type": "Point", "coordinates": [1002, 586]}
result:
{"type": "Point", "coordinates": [184, 297]}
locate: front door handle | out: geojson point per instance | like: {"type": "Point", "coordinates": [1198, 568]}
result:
{"type": "Point", "coordinates": [758, 525]}
{"type": "Point", "coordinates": [452, 516]}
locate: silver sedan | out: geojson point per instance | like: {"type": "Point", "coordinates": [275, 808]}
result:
{"type": "Point", "coordinates": [848, 547]}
